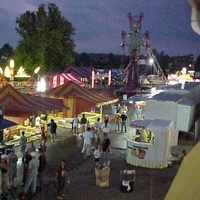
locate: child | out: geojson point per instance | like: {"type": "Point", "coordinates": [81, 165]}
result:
{"type": "Point", "coordinates": [96, 155]}
{"type": "Point", "coordinates": [61, 178]}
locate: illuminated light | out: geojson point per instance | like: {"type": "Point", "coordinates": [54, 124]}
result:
{"type": "Point", "coordinates": [36, 70]}
{"type": "Point", "coordinates": [12, 64]}
{"type": "Point", "coordinates": [151, 61]}
{"type": "Point", "coordinates": [41, 85]}
{"type": "Point", "coordinates": [1, 70]}
{"type": "Point", "coordinates": [184, 70]}
{"type": "Point", "coordinates": [7, 72]}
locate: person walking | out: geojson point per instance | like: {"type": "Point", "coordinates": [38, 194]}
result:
{"type": "Point", "coordinates": [123, 121]}
{"type": "Point", "coordinates": [97, 126]}
{"type": "Point", "coordinates": [87, 135]}
{"type": "Point", "coordinates": [124, 109]}
{"type": "Point", "coordinates": [117, 121]}
{"type": "Point", "coordinates": [4, 175]}
{"type": "Point", "coordinates": [32, 174]}
{"type": "Point", "coordinates": [106, 117]}
{"type": "Point", "coordinates": [105, 127]}
{"type": "Point", "coordinates": [52, 129]}
{"type": "Point", "coordinates": [105, 147]}
{"type": "Point", "coordinates": [41, 168]}
{"type": "Point", "coordinates": [43, 142]}
{"type": "Point", "coordinates": [96, 154]}
{"type": "Point", "coordinates": [75, 123]}
{"type": "Point", "coordinates": [23, 143]}
{"type": "Point", "coordinates": [83, 123]}
{"type": "Point", "coordinates": [25, 161]}
{"type": "Point", "coordinates": [12, 167]}
{"type": "Point", "coordinates": [61, 179]}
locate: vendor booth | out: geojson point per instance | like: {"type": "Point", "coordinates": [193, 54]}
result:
{"type": "Point", "coordinates": [24, 109]}
{"type": "Point", "coordinates": [149, 143]}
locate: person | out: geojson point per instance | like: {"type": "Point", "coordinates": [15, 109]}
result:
{"type": "Point", "coordinates": [37, 121]}
{"type": "Point", "coordinates": [32, 174]}
{"type": "Point", "coordinates": [25, 161]}
{"type": "Point", "coordinates": [106, 118]}
{"type": "Point", "coordinates": [97, 126]}
{"type": "Point", "coordinates": [93, 139]}
{"type": "Point", "coordinates": [4, 175]}
{"type": "Point", "coordinates": [32, 146]}
{"type": "Point", "coordinates": [96, 154]}
{"type": "Point", "coordinates": [182, 155]}
{"type": "Point", "coordinates": [42, 129]}
{"type": "Point", "coordinates": [75, 123]}
{"type": "Point", "coordinates": [12, 164]}
{"type": "Point", "coordinates": [52, 129]}
{"type": "Point", "coordinates": [137, 112]}
{"type": "Point", "coordinates": [143, 135]}
{"type": "Point", "coordinates": [123, 121]}
{"type": "Point", "coordinates": [105, 147]}
{"type": "Point", "coordinates": [124, 109]}
{"type": "Point", "coordinates": [41, 168]}
{"type": "Point", "coordinates": [83, 123]}
{"type": "Point", "coordinates": [23, 143]}
{"type": "Point", "coordinates": [87, 135]}
{"type": "Point", "coordinates": [43, 141]}
{"type": "Point", "coordinates": [21, 196]}
{"type": "Point", "coordinates": [118, 108]}
{"type": "Point", "coordinates": [105, 127]}
{"type": "Point", "coordinates": [6, 135]}
{"type": "Point", "coordinates": [117, 121]}
{"type": "Point", "coordinates": [61, 178]}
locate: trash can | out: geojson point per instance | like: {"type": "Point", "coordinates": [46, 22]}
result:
{"type": "Point", "coordinates": [102, 177]}
{"type": "Point", "coordinates": [127, 178]}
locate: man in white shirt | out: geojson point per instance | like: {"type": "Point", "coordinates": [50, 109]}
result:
{"type": "Point", "coordinates": [87, 135]}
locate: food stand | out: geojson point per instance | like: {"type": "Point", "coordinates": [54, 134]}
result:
{"type": "Point", "coordinates": [152, 151]}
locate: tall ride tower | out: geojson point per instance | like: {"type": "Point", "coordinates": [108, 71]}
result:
{"type": "Point", "coordinates": [133, 85]}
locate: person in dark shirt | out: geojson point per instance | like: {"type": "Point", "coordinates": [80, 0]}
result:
{"type": "Point", "coordinates": [41, 168]}
{"type": "Point", "coordinates": [52, 129]}
{"type": "Point", "coordinates": [83, 123]}
{"type": "Point", "coordinates": [105, 147]}
{"type": "Point", "coordinates": [61, 179]}
{"type": "Point", "coordinates": [25, 160]}
{"type": "Point", "coordinates": [123, 121]}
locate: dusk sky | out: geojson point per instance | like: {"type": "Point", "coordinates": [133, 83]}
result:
{"type": "Point", "coordinates": [98, 23]}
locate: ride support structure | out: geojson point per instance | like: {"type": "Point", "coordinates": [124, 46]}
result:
{"type": "Point", "coordinates": [134, 75]}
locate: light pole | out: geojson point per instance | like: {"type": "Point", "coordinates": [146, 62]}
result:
{"type": "Point", "coordinates": [12, 66]}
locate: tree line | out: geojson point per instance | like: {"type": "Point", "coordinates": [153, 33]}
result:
{"type": "Point", "coordinates": [46, 42]}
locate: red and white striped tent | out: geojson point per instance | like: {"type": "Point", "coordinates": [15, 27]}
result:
{"type": "Point", "coordinates": [62, 78]}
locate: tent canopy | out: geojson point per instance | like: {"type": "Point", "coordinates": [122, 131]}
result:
{"type": "Point", "coordinates": [71, 89]}
{"type": "Point", "coordinates": [186, 182]}
{"type": "Point", "coordinates": [61, 78]}
{"type": "Point", "coordinates": [81, 72]}
{"type": "Point", "coordinates": [12, 100]}
{"type": "Point", "coordinates": [79, 99]}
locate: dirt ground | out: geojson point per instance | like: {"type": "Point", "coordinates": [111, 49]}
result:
{"type": "Point", "coordinates": [149, 184]}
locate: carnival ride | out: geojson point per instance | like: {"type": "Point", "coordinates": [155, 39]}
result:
{"type": "Point", "coordinates": [142, 69]}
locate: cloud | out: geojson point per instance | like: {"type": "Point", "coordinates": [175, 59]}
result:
{"type": "Point", "coordinates": [98, 24]}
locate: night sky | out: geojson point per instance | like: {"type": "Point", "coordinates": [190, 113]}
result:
{"type": "Point", "coordinates": [98, 23]}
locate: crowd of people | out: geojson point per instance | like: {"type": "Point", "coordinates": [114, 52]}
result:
{"type": "Point", "coordinates": [33, 166]}
{"type": "Point", "coordinates": [96, 143]}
